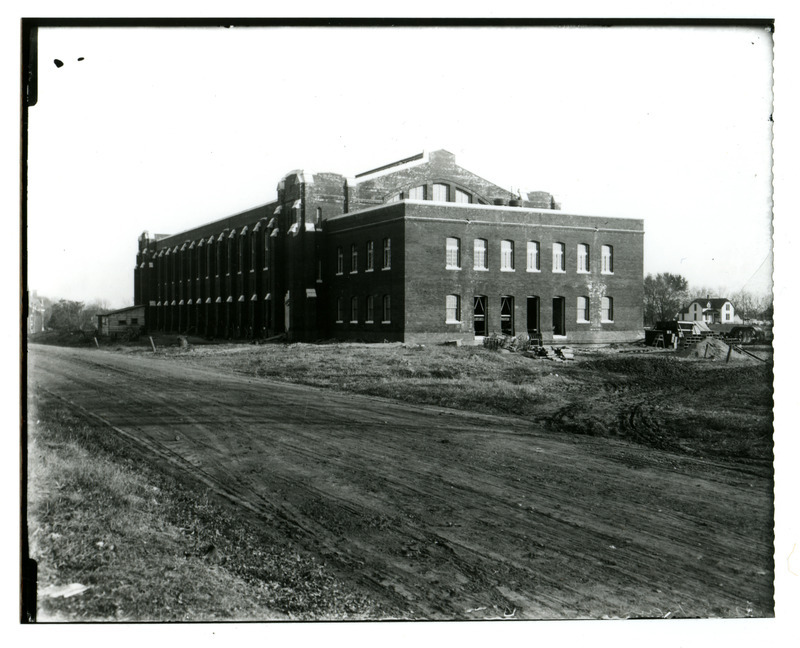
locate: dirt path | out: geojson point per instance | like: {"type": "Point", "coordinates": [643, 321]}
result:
{"type": "Point", "coordinates": [446, 514]}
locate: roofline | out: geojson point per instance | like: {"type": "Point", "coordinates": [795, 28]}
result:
{"type": "Point", "coordinates": [453, 205]}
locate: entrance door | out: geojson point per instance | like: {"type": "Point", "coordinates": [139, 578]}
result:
{"type": "Point", "coordinates": [559, 323]}
{"type": "Point", "coordinates": [533, 316]}
{"type": "Point", "coordinates": [479, 315]}
{"type": "Point", "coordinates": [507, 315]}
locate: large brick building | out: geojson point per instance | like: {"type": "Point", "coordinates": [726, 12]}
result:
{"type": "Point", "coordinates": [417, 250]}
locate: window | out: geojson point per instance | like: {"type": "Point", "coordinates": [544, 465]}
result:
{"type": "Point", "coordinates": [453, 309]}
{"type": "Point", "coordinates": [319, 215]}
{"type": "Point", "coordinates": [558, 257]}
{"type": "Point", "coordinates": [453, 247]}
{"type": "Point", "coordinates": [507, 315]}
{"type": "Point", "coordinates": [370, 256]}
{"type": "Point", "coordinates": [319, 270]}
{"type": "Point", "coordinates": [354, 310]}
{"type": "Point", "coordinates": [441, 192]}
{"type": "Point", "coordinates": [533, 256]}
{"type": "Point", "coordinates": [134, 320]}
{"type": "Point", "coordinates": [339, 261]}
{"type": "Point", "coordinates": [387, 253]}
{"type": "Point", "coordinates": [353, 259]}
{"type": "Point", "coordinates": [370, 309]}
{"type": "Point", "coordinates": [417, 193]}
{"type": "Point", "coordinates": [122, 322]}
{"type": "Point", "coordinates": [393, 198]}
{"type": "Point", "coordinates": [463, 196]}
{"type": "Point", "coordinates": [266, 251]}
{"type": "Point", "coordinates": [608, 309]}
{"type": "Point", "coordinates": [583, 309]}
{"type": "Point", "coordinates": [507, 255]}
{"type": "Point", "coordinates": [339, 310]}
{"type": "Point", "coordinates": [583, 257]}
{"type": "Point", "coordinates": [387, 309]}
{"type": "Point", "coordinates": [607, 259]}
{"type": "Point", "coordinates": [480, 252]}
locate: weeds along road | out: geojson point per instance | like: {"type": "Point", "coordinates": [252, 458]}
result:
{"type": "Point", "coordinates": [444, 515]}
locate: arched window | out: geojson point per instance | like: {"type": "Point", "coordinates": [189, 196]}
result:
{"type": "Point", "coordinates": [583, 309]}
{"type": "Point", "coordinates": [607, 259]}
{"type": "Point", "coordinates": [608, 309]}
{"type": "Point", "coordinates": [558, 257]}
{"type": "Point", "coordinates": [533, 256]}
{"type": "Point", "coordinates": [441, 192]}
{"type": "Point", "coordinates": [453, 253]}
{"type": "Point", "coordinates": [453, 309]}
{"type": "Point", "coordinates": [463, 197]}
{"type": "Point", "coordinates": [583, 257]}
{"type": "Point", "coordinates": [507, 255]}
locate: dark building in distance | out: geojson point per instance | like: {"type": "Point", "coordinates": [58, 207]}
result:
{"type": "Point", "coordinates": [420, 250]}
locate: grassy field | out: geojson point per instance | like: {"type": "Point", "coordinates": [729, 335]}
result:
{"type": "Point", "coordinates": [150, 547]}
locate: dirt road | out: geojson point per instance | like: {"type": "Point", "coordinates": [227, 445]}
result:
{"type": "Point", "coordinates": [445, 515]}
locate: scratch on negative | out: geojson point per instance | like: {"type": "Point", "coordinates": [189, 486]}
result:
{"type": "Point", "coordinates": [789, 558]}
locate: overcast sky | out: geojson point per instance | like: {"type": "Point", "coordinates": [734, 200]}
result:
{"type": "Point", "coordinates": [165, 129]}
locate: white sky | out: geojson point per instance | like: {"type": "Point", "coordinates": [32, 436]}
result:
{"type": "Point", "coordinates": [165, 129]}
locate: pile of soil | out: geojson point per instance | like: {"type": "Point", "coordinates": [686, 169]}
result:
{"type": "Point", "coordinates": [713, 349]}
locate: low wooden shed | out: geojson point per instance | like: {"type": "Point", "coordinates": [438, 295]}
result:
{"type": "Point", "coordinates": [124, 320]}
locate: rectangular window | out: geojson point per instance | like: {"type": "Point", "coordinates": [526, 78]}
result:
{"type": "Point", "coordinates": [583, 257]}
{"type": "Point", "coordinates": [558, 257]}
{"type": "Point", "coordinates": [387, 309]}
{"type": "Point", "coordinates": [134, 320]}
{"type": "Point", "coordinates": [319, 270]}
{"type": "Point", "coordinates": [507, 255]}
{"type": "Point", "coordinates": [370, 308]}
{"type": "Point", "coordinates": [339, 310]}
{"type": "Point", "coordinates": [387, 253]}
{"type": "Point", "coordinates": [266, 251]}
{"type": "Point", "coordinates": [370, 256]}
{"type": "Point", "coordinates": [463, 197]}
{"type": "Point", "coordinates": [453, 309]}
{"type": "Point", "coordinates": [122, 322]}
{"type": "Point", "coordinates": [453, 248]}
{"type": "Point", "coordinates": [608, 309]}
{"type": "Point", "coordinates": [533, 256]}
{"type": "Point", "coordinates": [480, 254]}
{"type": "Point", "coordinates": [607, 257]}
{"type": "Point", "coordinates": [583, 309]}
{"type": "Point", "coordinates": [354, 310]}
{"type": "Point", "coordinates": [441, 192]}
{"type": "Point", "coordinates": [353, 259]}
{"type": "Point", "coordinates": [339, 261]}
{"type": "Point", "coordinates": [417, 193]}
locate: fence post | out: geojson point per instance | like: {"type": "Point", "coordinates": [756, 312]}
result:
{"type": "Point", "coordinates": [153, 344]}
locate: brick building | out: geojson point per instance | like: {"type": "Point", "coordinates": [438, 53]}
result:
{"type": "Point", "coordinates": [417, 250]}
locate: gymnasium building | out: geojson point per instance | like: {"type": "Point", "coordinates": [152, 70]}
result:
{"type": "Point", "coordinates": [420, 250]}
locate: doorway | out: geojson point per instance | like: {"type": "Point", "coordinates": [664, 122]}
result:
{"type": "Point", "coordinates": [533, 317]}
{"type": "Point", "coordinates": [559, 320]}
{"type": "Point", "coordinates": [507, 315]}
{"type": "Point", "coordinates": [479, 315]}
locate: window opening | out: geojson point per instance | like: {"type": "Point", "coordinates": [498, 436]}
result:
{"type": "Point", "coordinates": [453, 248]}
{"type": "Point", "coordinates": [479, 315]}
{"type": "Point", "coordinates": [507, 315]}
{"type": "Point", "coordinates": [480, 254]}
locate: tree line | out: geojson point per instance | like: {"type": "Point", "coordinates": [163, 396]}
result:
{"type": "Point", "coordinates": [666, 294]}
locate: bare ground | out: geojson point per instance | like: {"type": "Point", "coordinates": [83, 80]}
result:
{"type": "Point", "coordinates": [442, 514]}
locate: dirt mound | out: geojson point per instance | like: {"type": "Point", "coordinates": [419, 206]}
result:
{"type": "Point", "coordinates": [714, 349]}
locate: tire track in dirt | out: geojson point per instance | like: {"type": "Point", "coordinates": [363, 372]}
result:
{"type": "Point", "coordinates": [363, 473]}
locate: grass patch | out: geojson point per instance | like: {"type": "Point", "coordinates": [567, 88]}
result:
{"type": "Point", "coordinates": [151, 549]}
